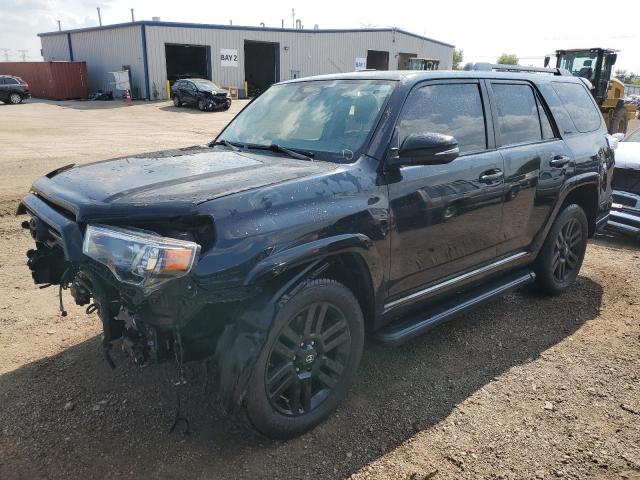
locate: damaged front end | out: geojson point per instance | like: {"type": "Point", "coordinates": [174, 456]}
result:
{"type": "Point", "coordinates": [624, 217]}
{"type": "Point", "coordinates": [136, 280]}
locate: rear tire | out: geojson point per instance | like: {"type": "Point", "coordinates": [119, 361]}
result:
{"type": "Point", "coordinates": [15, 98]}
{"type": "Point", "coordinates": [308, 362]}
{"type": "Point", "coordinates": [619, 121]}
{"type": "Point", "coordinates": [201, 105]}
{"type": "Point", "coordinates": [561, 256]}
{"type": "Point", "coordinates": [176, 101]}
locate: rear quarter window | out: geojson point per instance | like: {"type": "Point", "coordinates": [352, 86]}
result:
{"type": "Point", "coordinates": [580, 105]}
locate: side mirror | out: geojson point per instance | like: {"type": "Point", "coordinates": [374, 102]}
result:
{"type": "Point", "coordinates": [611, 58]}
{"type": "Point", "coordinates": [426, 149]}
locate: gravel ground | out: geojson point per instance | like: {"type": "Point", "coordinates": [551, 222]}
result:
{"type": "Point", "coordinates": [523, 387]}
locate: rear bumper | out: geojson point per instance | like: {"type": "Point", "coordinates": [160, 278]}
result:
{"type": "Point", "coordinates": [625, 214]}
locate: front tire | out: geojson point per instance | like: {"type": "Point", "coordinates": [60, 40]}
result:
{"type": "Point", "coordinates": [15, 98]}
{"type": "Point", "coordinates": [561, 256]}
{"type": "Point", "coordinates": [176, 101]}
{"type": "Point", "coordinates": [308, 362]}
{"type": "Point", "coordinates": [202, 106]}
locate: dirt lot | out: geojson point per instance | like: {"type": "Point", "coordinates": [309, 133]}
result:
{"type": "Point", "coordinates": [524, 387]}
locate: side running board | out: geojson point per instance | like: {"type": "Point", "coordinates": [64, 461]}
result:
{"type": "Point", "coordinates": [403, 330]}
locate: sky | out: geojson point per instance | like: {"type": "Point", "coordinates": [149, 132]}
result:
{"type": "Point", "coordinates": [483, 30]}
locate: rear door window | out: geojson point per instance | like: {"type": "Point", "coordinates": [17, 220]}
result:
{"type": "Point", "coordinates": [580, 105]}
{"type": "Point", "coordinates": [518, 120]}
{"type": "Point", "coordinates": [547, 129]}
{"type": "Point", "coordinates": [452, 109]}
{"type": "Point", "coordinates": [11, 81]}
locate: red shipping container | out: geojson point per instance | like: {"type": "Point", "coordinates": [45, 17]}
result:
{"type": "Point", "coordinates": [52, 80]}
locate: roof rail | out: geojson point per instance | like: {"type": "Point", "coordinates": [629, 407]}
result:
{"type": "Point", "coordinates": [501, 67]}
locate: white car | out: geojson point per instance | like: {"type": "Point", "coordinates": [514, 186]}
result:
{"type": "Point", "coordinates": [625, 210]}
{"type": "Point", "coordinates": [628, 152]}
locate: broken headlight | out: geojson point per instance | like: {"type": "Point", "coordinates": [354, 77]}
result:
{"type": "Point", "coordinates": [139, 257]}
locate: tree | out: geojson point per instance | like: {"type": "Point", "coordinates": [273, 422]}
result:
{"type": "Point", "coordinates": [458, 57]}
{"type": "Point", "coordinates": [508, 59]}
{"type": "Point", "coordinates": [625, 77]}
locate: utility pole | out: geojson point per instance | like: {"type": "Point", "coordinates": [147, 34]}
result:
{"type": "Point", "coordinates": [293, 18]}
{"type": "Point", "coordinates": [99, 16]}
{"type": "Point", "coordinates": [133, 18]}
{"type": "Point", "coordinates": [59, 26]}
{"type": "Point", "coordinates": [23, 55]}
{"type": "Point", "coordinates": [6, 53]}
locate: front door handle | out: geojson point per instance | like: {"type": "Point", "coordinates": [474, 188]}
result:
{"type": "Point", "coordinates": [559, 161]}
{"type": "Point", "coordinates": [491, 176]}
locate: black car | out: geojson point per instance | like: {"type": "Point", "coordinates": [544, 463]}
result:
{"type": "Point", "coordinates": [330, 208]}
{"type": "Point", "coordinates": [202, 93]}
{"type": "Point", "coordinates": [13, 90]}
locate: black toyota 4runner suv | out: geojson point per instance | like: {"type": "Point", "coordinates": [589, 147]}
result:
{"type": "Point", "coordinates": [378, 203]}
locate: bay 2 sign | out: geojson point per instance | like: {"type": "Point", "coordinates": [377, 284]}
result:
{"type": "Point", "coordinates": [228, 57]}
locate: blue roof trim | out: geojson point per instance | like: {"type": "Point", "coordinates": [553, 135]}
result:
{"type": "Point", "coordinates": [70, 47]}
{"type": "Point", "coordinates": [145, 60]}
{"type": "Point", "coordinates": [248, 28]}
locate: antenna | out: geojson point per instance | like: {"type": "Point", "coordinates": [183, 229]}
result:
{"type": "Point", "coordinates": [293, 18]}
{"type": "Point", "coordinates": [133, 18]}
{"type": "Point", "coordinates": [59, 26]}
{"type": "Point", "coordinates": [99, 16]}
{"type": "Point", "coordinates": [6, 53]}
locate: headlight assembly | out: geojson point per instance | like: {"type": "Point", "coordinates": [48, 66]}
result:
{"type": "Point", "coordinates": [138, 257]}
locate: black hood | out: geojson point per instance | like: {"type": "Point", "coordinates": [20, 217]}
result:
{"type": "Point", "coordinates": [170, 182]}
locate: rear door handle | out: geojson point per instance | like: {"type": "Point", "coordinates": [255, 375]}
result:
{"type": "Point", "coordinates": [559, 161]}
{"type": "Point", "coordinates": [491, 176]}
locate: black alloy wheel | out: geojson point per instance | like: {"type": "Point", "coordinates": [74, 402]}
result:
{"type": "Point", "coordinates": [202, 106]}
{"type": "Point", "coordinates": [562, 253]}
{"type": "Point", "coordinates": [176, 101]}
{"type": "Point", "coordinates": [567, 249]}
{"type": "Point", "coordinates": [307, 359]}
{"type": "Point", "coordinates": [308, 362]}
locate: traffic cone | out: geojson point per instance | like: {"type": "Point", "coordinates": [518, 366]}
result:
{"type": "Point", "coordinates": [129, 98]}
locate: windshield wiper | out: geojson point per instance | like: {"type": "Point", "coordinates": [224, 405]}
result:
{"type": "Point", "coordinates": [227, 144]}
{"type": "Point", "coordinates": [274, 147]}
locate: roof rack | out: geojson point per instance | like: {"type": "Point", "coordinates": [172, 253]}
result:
{"type": "Point", "coordinates": [501, 67]}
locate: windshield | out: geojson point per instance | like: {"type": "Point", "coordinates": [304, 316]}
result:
{"type": "Point", "coordinates": [633, 137]}
{"type": "Point", "coordinates": [331, 119]}
{"type": "Point", "coordinates": [581, 64]}
{"type": "Point", "coordinates": [205, 84]}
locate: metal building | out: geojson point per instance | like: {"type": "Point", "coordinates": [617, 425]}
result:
{"type": "Point", "coordinates": [155, 52]}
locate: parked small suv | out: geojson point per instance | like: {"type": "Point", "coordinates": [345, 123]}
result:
{"type": "Point", "coordinates": [204, 94]}
{"type": "Point", "coordinates": [13, 90]}
{"type": "Point", "coordinates": [330, 208]}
